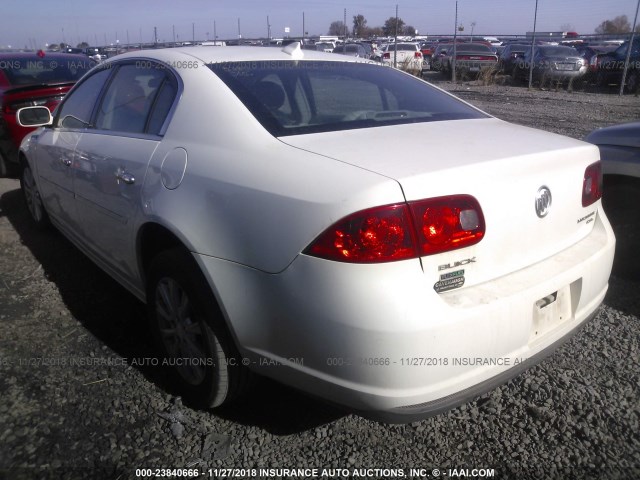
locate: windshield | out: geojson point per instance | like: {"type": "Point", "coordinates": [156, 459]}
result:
{"type": "Point", "coordinates": [293, 98]}
{"type": "Point", "coordinates": [45, 71]}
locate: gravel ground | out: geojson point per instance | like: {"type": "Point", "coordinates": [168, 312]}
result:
{"type": "Point", "coordinates": [71, 407]}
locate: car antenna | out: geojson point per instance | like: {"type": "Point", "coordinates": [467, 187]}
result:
{"type": "Point", "coordinates": [294, 50]}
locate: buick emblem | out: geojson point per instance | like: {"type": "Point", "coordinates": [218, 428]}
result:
{"type": "Point", "coordinates": [543, 202]}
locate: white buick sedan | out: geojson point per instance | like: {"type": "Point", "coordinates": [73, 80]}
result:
{"type": "Point", "coordinates": [271, 209]}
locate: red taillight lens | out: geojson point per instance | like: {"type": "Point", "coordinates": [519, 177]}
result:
{"type": "Point", "coordinates": [399, 232]}
{"type": "Point", "coordinates": [381, 234]}
{"type": "Point", "coordinates": [592, 184]}
{"type": "Point", "coordinates": [447, 223]}
{"type": "Point", "coordinates": [418, 55]}
{"type": "Point", "coordinates": [386, 55]}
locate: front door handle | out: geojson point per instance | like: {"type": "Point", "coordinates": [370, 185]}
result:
{"type": "Point", "coordinates": [125, 177]}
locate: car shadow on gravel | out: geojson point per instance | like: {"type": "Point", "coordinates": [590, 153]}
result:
{"type": "Point", "coordinates": [118, 319]}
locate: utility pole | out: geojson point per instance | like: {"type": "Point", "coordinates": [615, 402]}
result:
{"type": "Point", "coordinates": [395, 42]}
{"type": "Point", "coordinates": [268, 29]}
{"type": "Point", "coordinates": [215, 33]}
{"type": "Point", "coordinates": [302, 27]}
{"type": "Point", "coordinates": [155, 35]}
{"type": "Point", "coordinates": [173, 29]}
{"type": "Point", "coordinates": [455, 48]}
{"type": "Point", "coordinates": [345, 24]}
{"type": "Point", "coordinates": [629, 48]}
{"type": "Point", "coordinates": [239, 34]}
{"type": "Point", "coordinates": [193, 32]}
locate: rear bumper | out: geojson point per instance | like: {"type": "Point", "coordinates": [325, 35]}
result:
{"type": "Point", "coordinates": [412, 413]}
{"type": "Point", "coordinates": [378, 339]}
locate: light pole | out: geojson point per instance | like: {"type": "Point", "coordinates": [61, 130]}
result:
{"type": "Point", "coordinates": [533, 42]}
{"type": "Point", "coordinates": [473, 25]}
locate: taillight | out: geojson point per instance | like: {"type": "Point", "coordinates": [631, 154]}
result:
{"type": "Point", "coordinates": [592, 184]}
{"type": "Point", "coordinates": [386, 55]}
{"type": "Point", "coordinates": [402, 231]}
{"type": "Point", "coordinates": [447, 223]}
{"type": "Point", "coordinates": [418, 55]}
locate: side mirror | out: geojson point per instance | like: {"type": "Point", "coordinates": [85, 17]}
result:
{"type": "Point", "coordinates": [34, 117]}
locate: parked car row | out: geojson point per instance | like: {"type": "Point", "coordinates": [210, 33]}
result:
{"type": "Point", "coordinates": [602, 64]}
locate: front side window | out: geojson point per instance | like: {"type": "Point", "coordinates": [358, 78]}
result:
{"type": "Point", "coordinates": [76, 110]}
{"type": "Point", "coordinates": [298, 97]}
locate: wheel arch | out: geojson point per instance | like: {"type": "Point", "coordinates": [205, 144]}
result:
{"type": "Point", "coordinates": [154, 238]}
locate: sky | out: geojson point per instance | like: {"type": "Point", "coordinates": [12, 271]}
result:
{"type": "Point", "coordinates": [29, 23]}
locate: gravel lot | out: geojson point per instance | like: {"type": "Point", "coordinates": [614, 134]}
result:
{"type": "Point", "coordinates": [72, 407]}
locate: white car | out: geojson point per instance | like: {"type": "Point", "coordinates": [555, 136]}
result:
{"type": "Point", "coordinates": [269, 207]}
{"type": "Point", "coordinates": [409, 56]}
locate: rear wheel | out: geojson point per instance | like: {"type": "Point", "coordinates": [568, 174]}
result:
{"type": "Point", "coordinates": [32, 197]}
{"type": "Point", "coordinates": [189, 331]}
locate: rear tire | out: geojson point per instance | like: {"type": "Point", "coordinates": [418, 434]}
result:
{"type": "Point", "coordinates": [32, 198]}
{"type": "Point", "coordinates": [190, 334]}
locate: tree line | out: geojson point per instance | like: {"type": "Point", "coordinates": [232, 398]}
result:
{"type": "Point", "coordinates": [362, 30]}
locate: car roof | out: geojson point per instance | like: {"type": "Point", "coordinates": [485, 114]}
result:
{"type": "Point", "coordinates": [234, 54]}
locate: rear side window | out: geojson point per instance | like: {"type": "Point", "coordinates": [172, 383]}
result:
{"type": "Point", "coordinates": [298, 97]}
{"type": "Point", "coordinates": [129, 99]}
{"type": "Point", "coordinates": [162, 105]}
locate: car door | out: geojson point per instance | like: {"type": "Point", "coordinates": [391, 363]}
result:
{"type": "Point", "coordinates": [56, 149]}
{"type": "Point", "coordinates": [128, 126]}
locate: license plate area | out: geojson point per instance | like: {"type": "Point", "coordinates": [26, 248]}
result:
{"type": "Point", "coordinates": [565, 66]}
{"type": "Point", "coordinates": [551, 311]}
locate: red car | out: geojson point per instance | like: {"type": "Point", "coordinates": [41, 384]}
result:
{"type": "Point", "coordinates": [29, 79]}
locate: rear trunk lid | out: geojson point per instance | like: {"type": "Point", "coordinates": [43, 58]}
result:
{"type": "Point", "coordinates": [503, 166]}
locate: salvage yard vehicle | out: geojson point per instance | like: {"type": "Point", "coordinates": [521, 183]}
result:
{"type": "Point", "coordinates": [620, 153]}
{"type": "Point", "coordinates": [409, 56]}
{"type": "Point", "coordinates": [551, 63]}
{"type": "Point", "coordinates": [471, 58]}
{"type": "Point", "coordinates": [27, 79]}
{"type": "Point", "coordinates": [270, 209]}
{"type": "Point", "coordinates": [609, 67]}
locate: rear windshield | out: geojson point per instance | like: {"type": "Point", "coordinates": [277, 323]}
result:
{"type": "Point", "coordinates": [405, 47]}
{"type": "Point", "coordinates": [474, 47]}
{"type": "Point", "coordinates": [559, 51]}
{"type": "Point", "coordinates": [45, 71]}
{"type": "Point", "coordinates": [298, 97]}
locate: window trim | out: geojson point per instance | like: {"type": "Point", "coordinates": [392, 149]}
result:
{"type": "Point", "coordinates": [113, 67]}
